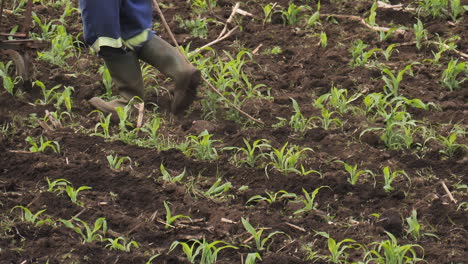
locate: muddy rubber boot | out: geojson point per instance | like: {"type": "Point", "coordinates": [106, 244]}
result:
{"type": "Point", "coordinates": [125, 70]}
{"type": "Point", "coordinates": [169, 61]}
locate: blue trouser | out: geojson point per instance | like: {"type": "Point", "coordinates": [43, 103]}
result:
{"type": "Point", "coordinates": [116, 23]}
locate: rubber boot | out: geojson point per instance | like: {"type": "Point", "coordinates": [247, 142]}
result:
{"type": "Point", "coordinates": [125, 71]}
{"type": "Point", "coordinates": [169, 61]}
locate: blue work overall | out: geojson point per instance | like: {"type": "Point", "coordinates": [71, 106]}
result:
{"type": "Point", "coordinates": [116, 23]}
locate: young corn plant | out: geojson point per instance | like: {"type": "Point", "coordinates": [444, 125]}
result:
{"type": "Point", "coordinates": [360, 56]}
{"type": "Point", "coordinates": [292, 15]}
{"type": "Point", "coordinates": [57, 185]}
{"type": "Point", "coordinates": [326, 119]}
{"type": "Point", "coordinates": [202, 6]}
{"type": "Point", "coordinates": [450, 145]}
{"type": "Point", "coordinates": [420, 34]}
{"type": "Point", "coordinates": [434, 8]}
{"type": "Point", "coordinates": [64, 99]}
{"type": "Point", "coordinates": [314, 19]}
{"type": "Point", "coordinates": [201, 146]}
{"type": "Point", "coordinates": [337, 250]}
{"type": "Point", "coordinates": [167, 177]}
{"type": "Point", "coordinates": [251, 153]}
{"type": "Point", "coordinates": [268, 10]}
{"type": "Point", "coordinates": [388, 51]}
{"type": "Point", "coordinates": [392, 82]}
{"type": "Point", "coordinates": [450, 74]}
{"type": "Point", "coordinates": [272, 197]}
{"type": "Point", "coordinates": [106, 80]}
{"type": "Point", "coordinates": [309, 200]}
{"type": "Point", "coordinates": [390, 176]}
{"type": "Point", "coordinates": [217, 190]}
{"type": "Point", "coordinates": [390, 252]}
{"type": "Point", "coordinates": [414, 228]}
{"type": "Point", "coordinates": [286, 160]}
{"type": "Point", "coordinates": [42, 145]}
{"type": "Point", "coordinates": [457, 9]}
{"type": "Point", "coordinates": [32, 218]}
{"type": "Point", "coordinates": [152, 130]}
{"type": "Point", "coordinates": [443, 46]}
{"type": "Point", "coordinates": [88, 234]}
{"type": "Point", "coordinates": [115, 162]}
{"type": "Point", "coordinates": [372, 14]}
{"type": "Point", "coordinates": [121, 244]}
{"type": "Point", "coordinates": [197, 27]}
{"type": "Point", "coordinates": [251, 258]}
{"type": "Point", "coordinates": [338, 99]}
{"type": "Point", "coordinates": [48, 94]}
{"type": "Point", "coordinates": [298, 122]}
{"type": "Point", "coordinates": [73, 193]}
{"type": "Point", "coordinates": [62, 48]}
{"type": "Point", "coordinates": [354, 173]}
{"type": "Point", "coordinates": [8, 82]}
{"type": "Point", "coordinates": [170, 219]}
{"type": "Point", "coordinates": [257, 234]}
{"type": "Point", "coordinates": [204, 251]}
{"type": "Point", "coordinates": [103, 124]}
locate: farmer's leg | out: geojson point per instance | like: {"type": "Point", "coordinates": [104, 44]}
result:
{"type": "Point", "coordinates": [102, 20]}
{"type": "Point", "coordinates": [136, 32]}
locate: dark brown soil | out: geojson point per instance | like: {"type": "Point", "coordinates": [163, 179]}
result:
{"type": "Point", "coordinates": [131, 199]}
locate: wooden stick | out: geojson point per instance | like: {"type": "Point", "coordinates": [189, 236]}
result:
{"type": "Point", "coordinates": [448, 192]}
{"type": "Point", "coordinates": [362, 21]}
{"type": "Point", "coordinates": [398, 7]}
{"type": "Point", "coordinates": [296, 227]}
{"type": "Point", "coordinates": [166, 26]}
{"type": "Point", "coordinates": [141, 110]}
{"type": "Point", "coordinates": [198, 50]}
{"type": "Point", "coordinates": [229, 20]}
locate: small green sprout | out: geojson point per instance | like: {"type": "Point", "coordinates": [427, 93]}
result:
{"type": "Point", "coordinates": [115, 162]}
{"type": "Point", "coordinates": [87, 233]}
{"type": "Point", "coordinates": [388, 51]}
{"type": "Point", "coordinates": [286, 160]}
{"type": "Point", "coordinates": [390, 176]}
{"type": "Point", "coordinates": [115, 244]}
{"type": "Point", "coordinates": [252, 257]}
{"type": "Point", "coordinates": [450, 145]}
{"type": "Point", "coordinates": [28, 216]}
{"type": "Point", "coordinates": [392, 82]}
{"type": "Point", "coordinates": [389, 252]}
{"type": "Point", "coordinates": [292, 15]}
{"type": "Point", "coordinates": [57, 185]}
{"type": "Point", "coordinates": [326, 119]}
{"type": "Point", "coordinates": [201, 146]}
{"type": "Point", "coordinates": [217, 189]}
{"type": "Point", "coordinates": [251, 153]}
{"type": "Point", "coordinates": [167, 177]}
{"type": "Point", "coordinates": [170, 219]}
{"type": "Point", "coordinates": [338, 99]}
{"type": "Point", "coordinates": [260, 243]}
{"type": "Point", "coordinates": [309, 200]}
{"type": "Point", "coordinates": [42, 145]}
{"type": "Point", "coordinates": [64, 98]}
{"type": "Point", "coordinates": [104, 124]}
{"type": "Point", "coordinates": [420, 33]}
{"type": "Point", "coordinates": [353, 172]}
{"type": "Point", "coordinates": [338, 249]}
{"type": "Point", "coordinates": [208, 252]}
{"type": "Point", "coordinates": [450, 74]}
{"type": "Point", "coordinates": [73, 193]}
{"type": "Point", "coordinates": [272, 197]}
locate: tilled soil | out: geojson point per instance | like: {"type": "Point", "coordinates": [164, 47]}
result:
{"type": "Point", "coordinates": [132, 199]}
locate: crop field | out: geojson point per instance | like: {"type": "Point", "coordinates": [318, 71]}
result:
{"type": "Point", "coordinates": [350, 147]}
